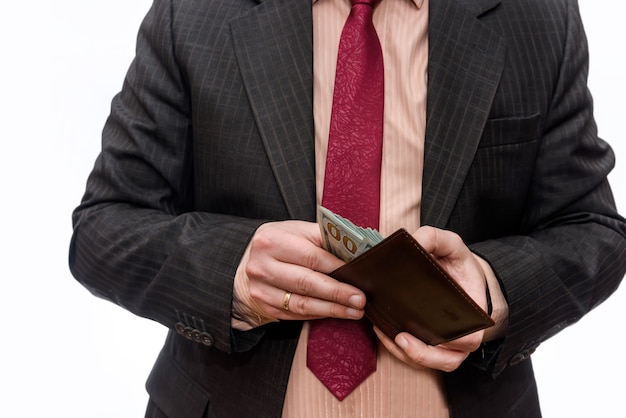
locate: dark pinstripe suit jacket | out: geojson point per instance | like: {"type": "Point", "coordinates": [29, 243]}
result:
{"type": "Point", "coordinates": [212, 135]}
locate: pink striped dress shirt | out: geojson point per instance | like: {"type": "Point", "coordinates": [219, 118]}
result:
{"type": "Point", "coordinates": [395, 389]}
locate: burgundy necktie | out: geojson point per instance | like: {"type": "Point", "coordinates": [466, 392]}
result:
{"type": "Point", "coordinates": [342, 353]}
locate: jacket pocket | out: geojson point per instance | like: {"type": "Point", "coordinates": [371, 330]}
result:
{"type": "Point", "coordinates": [493, 197]}
{"type": "Point", "coordinates": [510, 131]}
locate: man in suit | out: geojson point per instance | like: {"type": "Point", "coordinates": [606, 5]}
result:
{"type": "Point", "coordinates": [200, 210]}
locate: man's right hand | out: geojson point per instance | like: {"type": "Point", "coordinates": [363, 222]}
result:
{"type": "Point", "coordinates": [285, 258]}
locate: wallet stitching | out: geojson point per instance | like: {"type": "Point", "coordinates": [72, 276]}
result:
{"type": "Point", "coordinates": [444, 273]}
{"type": "Point", "coordinates": [456, 287]}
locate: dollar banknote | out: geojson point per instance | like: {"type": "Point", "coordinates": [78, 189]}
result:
{"type": "Point", "coordinates": [342, 237]}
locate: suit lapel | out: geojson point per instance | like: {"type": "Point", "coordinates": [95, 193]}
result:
{"type": "Point", "coordinates": [276, 61]}
{"type": "Point", "coordinates": [466, 60]}
{"type": "Point", "coordinates": [274, 47]}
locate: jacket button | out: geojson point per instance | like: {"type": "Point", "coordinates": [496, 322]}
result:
{"type": "Point", "coordinates": [189, 333]}
{"type": "Point", "coordinates": [207, 339]}
{"type": "Point", "coordinates": [195, 335]}
{"type": "Point", "coordinates": [516, 359]}
{"type": "Point", "coordinates": [180, 328]}
{"type": "Point", "coordinates": [519, 357]}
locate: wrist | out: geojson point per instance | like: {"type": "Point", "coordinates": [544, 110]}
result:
{"type": "Point", "coordinates": [245, 313]}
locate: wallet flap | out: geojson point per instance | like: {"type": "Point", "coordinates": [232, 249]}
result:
{"type": "Point", "coordinates": [407, 290]}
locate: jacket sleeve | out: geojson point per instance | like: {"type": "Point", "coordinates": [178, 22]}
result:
{"type": "Point", "coordinates": [137, 241]}
{"type": "Point", "coordinates": [571, 252]}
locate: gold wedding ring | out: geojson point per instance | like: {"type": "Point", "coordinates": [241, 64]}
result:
{"type": "Point", "coordinates": [286, 300]}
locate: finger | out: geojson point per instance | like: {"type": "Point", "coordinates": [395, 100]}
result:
{"type": "Point", "coordinates": [315, 295]}
{"type": "Point", "coordinates": [432, 357]}
{"type": "Point", "coordinates": [306, 307]}
{"type": "Point", "coordinates": [302, 281]}
{"type": "Point", "coordinates": [395, 350]}
{"type": "Point", "coordinates": [468, 343]}
{"type": "Point", "coordinates": [295, 242]}
{"type": "Point", "coordinates": [456, 259]}
{"type": "Point", "coordinates": [312, 308]}
{"type": "Point", "coordinates": [285, 258]}
{"type": "Point", "coordinates": [441, 243]}
{"type": "Point", "coordinates": [286, 305]}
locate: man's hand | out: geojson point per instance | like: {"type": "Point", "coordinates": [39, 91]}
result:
{"type": "Point", "coordinates": [287, 257]}
{"type": "Point", "coordinates": [465, 268]}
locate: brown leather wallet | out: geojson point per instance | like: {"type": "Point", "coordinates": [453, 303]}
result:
{"type": "Point", "coordinates": [407, 290]}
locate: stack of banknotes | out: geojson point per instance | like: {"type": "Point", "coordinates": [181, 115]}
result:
{"type": "Point", "coordinates": [343, 238]}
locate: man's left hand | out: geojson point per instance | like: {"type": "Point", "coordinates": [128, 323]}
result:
{"type": "Point", "coordinates": [457, 259]}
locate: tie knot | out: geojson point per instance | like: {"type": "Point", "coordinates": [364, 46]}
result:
{"type": "Point", "coordinates": [371, 3]}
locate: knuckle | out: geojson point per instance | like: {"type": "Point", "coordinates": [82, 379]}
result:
{"type": "Point", "coordinates": [417, 357]}
{"type": "Point", "coordinates": [334, 311]}
{"type": "Point", "coordinates": [310, 259]}
{"type": "Point", "coordinates": [453, 362]}
{"type": "Point", "coordinates": [336, 294]}
{"type": "Point", "coordinates": [301, 305]}
{"type": "Point", "coordinates": [254, 269]}
{"type": "Point", "coordinates": [262, 239]}
{"type": "Point", "coordinates": [451, 366]}
{"type": "Point", "coordinates": [255, 293]}
{"type": "Point", "coordinates": [448, 367]}
{"type": "Point", "coordinates": [456, 238]}
{"type": "Point", "coordinates": [303, 285]}
{"type": "Point", "coordinates": [428, 232]}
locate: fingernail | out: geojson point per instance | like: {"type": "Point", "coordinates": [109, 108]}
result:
{"type": "Point", "coordinates": [402, 342]}
{"type": "Point", "coordinates": [353, 313]}
{"type": "Point", "coordinates": [356, 301]}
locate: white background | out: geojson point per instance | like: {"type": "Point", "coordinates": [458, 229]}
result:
{"type": "Point", "coordinates": [65, 353]}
